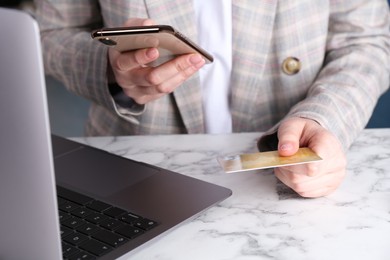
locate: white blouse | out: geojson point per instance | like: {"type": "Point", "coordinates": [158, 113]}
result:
{"type": "Point", "coordinates": [214, 24]}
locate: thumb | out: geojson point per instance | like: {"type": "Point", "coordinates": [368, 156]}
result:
{"type": "Point", "coordinates": [289, 135]}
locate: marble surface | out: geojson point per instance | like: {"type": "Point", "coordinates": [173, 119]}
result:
{"type": "Point", "coordinates": [264, 219]}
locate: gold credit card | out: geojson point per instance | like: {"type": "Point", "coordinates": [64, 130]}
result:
{"type": "Point", "coordinates": [264, 160]}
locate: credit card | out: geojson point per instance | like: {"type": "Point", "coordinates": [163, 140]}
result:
{"type": "Point", "coordinates": [264, 160]}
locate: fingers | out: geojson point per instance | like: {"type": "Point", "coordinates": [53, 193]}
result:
{"type": "Point", "coordinates": [181, 67]}
{"type": "Point", "coordinates": [311, 187]}
{"type": "Point", "coordinates": [173, 73]}
{"type": "Point", "coordinates": [145, 84]}
{"type": "Point", "coordinates": [312, 179]}
{"type": "Point", "coordinates": [289, 135]}
{"type": "Point", "coordinates": [134, 59]}
{"type": "Point", "coordinates": [308, 169]}
{"type": "Point", "coordinates": [128, 60]}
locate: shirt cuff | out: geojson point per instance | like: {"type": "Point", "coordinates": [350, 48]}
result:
{"type": "Point", "coordinates": [125, 106]}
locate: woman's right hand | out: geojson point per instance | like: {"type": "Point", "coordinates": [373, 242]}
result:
{"type": "Point", "coordinates": [144, 83]}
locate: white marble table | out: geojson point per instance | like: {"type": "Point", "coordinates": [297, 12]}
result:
{"type": "Point", "coordinates": [264, 219]}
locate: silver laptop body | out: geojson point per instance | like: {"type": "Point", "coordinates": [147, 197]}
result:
{"type": "Point", "coordinates": [27, 185]}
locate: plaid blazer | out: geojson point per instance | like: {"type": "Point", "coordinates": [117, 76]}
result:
{"type": "Point", "coordinates": [343, 48]}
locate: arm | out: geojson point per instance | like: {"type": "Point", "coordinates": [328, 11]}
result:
{"type": "Point", "coordinates": [341, 100]}
{"type": "Point", "coordinates": [117, 81]}
{"type": "Point", "coordinates": [355, 72]}
{"type": "Point", "coordinates": [69, 53]}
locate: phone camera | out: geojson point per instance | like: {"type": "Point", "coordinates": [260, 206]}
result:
{"type": "Point", "coordinates": [108, 41]}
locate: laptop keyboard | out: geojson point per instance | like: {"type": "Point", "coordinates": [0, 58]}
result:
{"type": "Point", "coordinates": [91, 228]}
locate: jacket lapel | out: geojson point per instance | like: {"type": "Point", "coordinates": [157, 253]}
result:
{"type": "Point", "coordinates": [180, 14]}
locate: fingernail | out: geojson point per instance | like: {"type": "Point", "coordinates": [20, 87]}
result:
{"type": "Point", "coordinates": [151, 53]}
{"type": "Point", "coordinates": [286, 147]}
{"type": "Point", "coordinates": [196, 59]}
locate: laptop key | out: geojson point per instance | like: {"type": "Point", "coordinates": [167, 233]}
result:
{"type": "Point", "coordinates": [68, 250]}
{"type": "Point", "coordinates": [63, 215]}
{"type": "Point", "coordinates": [145, 224]}
{"type": "Point", "coordinates": [75, 238]}
{"type": "Point", "coordinates": [129, 218]}
{"type": "Point", "coordinates": [98, 206]}
{"type": "Point", "coordinates": [111, 224]}
{"type": "Point", "coordinates": [96, 218]}
{"type": "Point", "coordinates": [138, 221]}
{"type": "Point", "coordinates": [73, 196]}
{"type": "Point", "coordinates": [82, 256]}
{"type": "Point", "coordinates": [114, 212]}
{"type": "Point", "coordinates": [95, 247]}
{"type": "Point", "coordinates": [81, 212]}
{"type": "Point", "coordinates": [64, 231]}
{"type": "Point", "coordinates": [129, 231]}
{"type": "Point", "coordinates": [73, 222]}
{"type": "Point", "coordinates": [88, 229]}
{"type": "Point", "coordinates": [68, 206]}
{"type": "Point", "coordinates": [110, 238]}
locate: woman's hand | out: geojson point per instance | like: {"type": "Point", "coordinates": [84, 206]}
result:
{"type": "Point", "coordinates": [144, 83]}
{"type": "Point", "coordinates": [313, 179]}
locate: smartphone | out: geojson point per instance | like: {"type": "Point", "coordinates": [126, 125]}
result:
{"type": "Point", "coordinates": [169, 41]}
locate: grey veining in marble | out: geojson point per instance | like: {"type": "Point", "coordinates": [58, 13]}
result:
{"type": "Point", "coordinates": [264, 219]}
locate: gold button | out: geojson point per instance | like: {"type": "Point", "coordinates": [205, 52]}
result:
{"type": "Point", "coordinates": [291, 66]}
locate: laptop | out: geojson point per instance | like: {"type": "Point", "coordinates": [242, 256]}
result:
{"type": "Point", "coordinates": [61, 199]}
